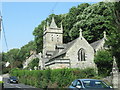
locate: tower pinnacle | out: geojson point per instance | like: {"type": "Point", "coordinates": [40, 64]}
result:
{"type": "Point", "coordinates": [53, 24]}
{"type": "Point", "coordinates": [80, 32]}
{"type": "Point", "coordinates": [104, 34]}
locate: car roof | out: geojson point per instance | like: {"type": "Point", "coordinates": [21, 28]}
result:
{"type": "Point", "coordinates": [13, 77]}
{"type": "Point", "coordinates": [89, 79]}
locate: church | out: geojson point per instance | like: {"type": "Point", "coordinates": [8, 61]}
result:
{"type": "Point", "coordinates": [75, 54]}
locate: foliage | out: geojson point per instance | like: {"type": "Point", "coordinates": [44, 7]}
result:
{"type": "Point", "coordinates": [70, 19]}
{"type": "Point", "coordinates": [25, 50]}
{"type": "Point", "coordinates": [38, 33]}
{"type": "Point", "coordinates": [1, 82]}
{"type": "Point", "coordinates": [33, 63]}
{"type": "Point", "coordinates": [94, 20]}
{"type": "Point", "coordinates": [52, 78]}
{"type": "Point", "coordinates": [11, 55]}
{"type": "Point", "coordinates": [13, 58]}
{"type": "Point", "coordinates": [103, 60]}
{"type": "Point", "coordinates": [114, 38]}
{"type": "Point", "coordinates": [16, 56]}
{"type": "Point", "coordinates": [5, 70]}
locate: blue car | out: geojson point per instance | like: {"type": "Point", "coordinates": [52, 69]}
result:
{"type": "Point", "coordinates": [89, 84]}
{"type": "Point", "coordinates": [13, 79]}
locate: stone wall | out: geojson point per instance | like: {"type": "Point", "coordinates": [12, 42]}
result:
{"type": "Point", "coordinates": [58, 66]}
{"type": "Point", "coordinates": [72, 54]}
{"type": "Point", "coordinates": [119, 81]}
{"type": "Point", "coordinates": [109, 80]}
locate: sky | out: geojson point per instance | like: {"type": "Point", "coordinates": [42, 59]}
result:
{"type": "Point", "coordinates": [20, 19]}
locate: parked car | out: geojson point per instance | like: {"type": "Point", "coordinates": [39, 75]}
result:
{"type": "Point", "coordinates": [88, 84]}
{"type": "Point", "coordinates": [13, 79]}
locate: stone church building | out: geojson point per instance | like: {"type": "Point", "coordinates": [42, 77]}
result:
{"type": "Point", "coordinates": [75, 54]}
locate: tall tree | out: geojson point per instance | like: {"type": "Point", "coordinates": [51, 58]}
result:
{"type": "Point", "coordinates": [94, 20]}
{"type": "Point", "coordinates": [13, 57]}
{"type": "Point", "coordinates": [114, 38]}
{"type": "Point", "coordinates": [70, 19]}
{"type": "Point", "coordinates": [25, 50]}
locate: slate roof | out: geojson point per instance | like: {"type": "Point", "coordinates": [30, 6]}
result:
{"type": "Point", "coordinates": [68, 45]}
{"type": "Point", "coordinates": [96, 43]}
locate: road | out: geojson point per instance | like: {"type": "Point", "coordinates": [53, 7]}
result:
{"type": "Point", "coordinates": [19, 86]}
{"type": "Point", "coordinates": [11, 85]}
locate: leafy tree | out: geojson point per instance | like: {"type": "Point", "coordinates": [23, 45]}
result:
{"type": "Point", "coordinates": [94, 20]}
{"type": "Point", "coordinates": [70, 19]}
{"type": "Point", "coordinates": [17, 56]}
{"type": "Point", "coordinates": [25, 50]}
{"type": "Point", "coordinates": [38, 33]}
{"type": "Point", "coordinates": [3, 56]}
{"type": "Point", "coordinates": [13, 58]}
{"type": "Point", "coordinates": [103, 60]}
{"type": "Point", "coordinates": [114, 38]}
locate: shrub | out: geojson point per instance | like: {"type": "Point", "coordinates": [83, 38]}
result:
{"type": "Point", "coordinates": [58, 78]}
{"type": "Point", "coordinates": [103, 60]}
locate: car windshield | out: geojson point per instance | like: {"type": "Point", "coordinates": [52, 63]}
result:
{"type": "Point", "coordinates": [13, 77]}
{"type": "Point", "coordinates": [94, 84]}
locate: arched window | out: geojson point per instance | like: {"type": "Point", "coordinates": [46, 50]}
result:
{"type": "Point", "coordinates": [81, 55]}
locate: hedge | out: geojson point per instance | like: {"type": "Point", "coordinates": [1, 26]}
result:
{"type": "Point", "coordinates": [57, 78]}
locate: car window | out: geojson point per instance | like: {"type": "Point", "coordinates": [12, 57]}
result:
{"type": "Point", "coordinates": [87, 83]}
{"type": "Point", "coordinates": [100, 84]}
{"type": "Point", "coordinates": [13, 77]}
{"type": "Point", "coordinates": [79, 83]}
{"type": "Point", "coordinates": [74, 83]}
{"type": "Point", "coordinates": [94, 84]}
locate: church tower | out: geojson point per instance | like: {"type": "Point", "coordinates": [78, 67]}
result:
{"type": "Point", "coordinates": [51, 37]}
